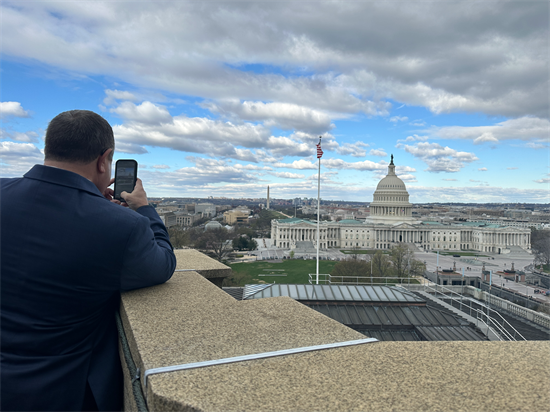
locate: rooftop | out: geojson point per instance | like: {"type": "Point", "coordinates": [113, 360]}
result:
{"type": "Point", "coordinates": [347, 293]}
{"type": "Point", "coordinates": [189, 319]}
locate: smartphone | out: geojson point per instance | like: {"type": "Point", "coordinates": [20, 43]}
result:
{"type": "Point", "coordinates": [125, 177]}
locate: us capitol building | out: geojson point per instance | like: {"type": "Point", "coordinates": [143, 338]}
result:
{"type": "Point", "coordinates": [391, 222]}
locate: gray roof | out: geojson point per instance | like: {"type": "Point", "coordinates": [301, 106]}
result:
{"type": "Point", "coordinates": [347, 293]}
{"type": "Point", "coordinates": [365, 316]}
{"type": "Point", "coordinates": [427, 333]}
{"type": "Point", "coordinates": [400, 322]}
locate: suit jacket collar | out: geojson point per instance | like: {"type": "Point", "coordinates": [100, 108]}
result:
{"type": "Point", "coordinates": [62, 177]}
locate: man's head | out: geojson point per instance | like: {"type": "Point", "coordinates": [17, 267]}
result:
{"type": "Point", "coordinates": [78, 136]}
{"type": "Point", "coordinates": [82, 142]}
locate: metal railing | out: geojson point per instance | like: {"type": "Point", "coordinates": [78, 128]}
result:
{"type": "Point", "coordinates": [327, 279]}
{"type": "Point", "coordinates": [490, 319]}
{"type": "Point", "coordinates": [539, 318]}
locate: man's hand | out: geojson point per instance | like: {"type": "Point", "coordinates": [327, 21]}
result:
{"type": "Point", "coordinates": [109, 193]}
{"type": "Point", "coordinates": [137, 198]}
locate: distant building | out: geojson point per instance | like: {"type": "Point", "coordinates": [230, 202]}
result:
{"type": "Point", "coordinates": [185, 219]}
{"type": "Point", "coordinates": [391, 221]}
{"type": "Point", "coordinates": [212, 225]}
{"type": "Point", "coordinates": [236, 216]}
{"type": "Point", "coordinates": [206, 209]}
{"type": "Point", "coordinates": [168, 218]}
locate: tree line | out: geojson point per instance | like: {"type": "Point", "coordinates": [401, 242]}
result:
{"type": "Point", "coordinates": [220, 242]}
{"type": "Point", "coordinates": [398, 263]}
{"type": "Point", "coordinates": [540, 246]}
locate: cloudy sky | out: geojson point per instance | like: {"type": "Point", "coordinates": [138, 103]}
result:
{"type": "Point", "coordinates": [225, 98]}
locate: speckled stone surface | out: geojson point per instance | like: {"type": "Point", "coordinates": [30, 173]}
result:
{"type": "Point", "coordinates": [206, 266]}
{"type": "Point", "coordinates": [382, 376]}
{"type": "Point", "coordinates": [189, 319]}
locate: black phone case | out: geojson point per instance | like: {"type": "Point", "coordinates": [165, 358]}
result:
{"type": "Point", "coordinates": [125, 177]}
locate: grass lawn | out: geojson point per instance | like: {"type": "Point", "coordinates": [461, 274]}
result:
{"type": "Point", "coordinates": [296, 271]}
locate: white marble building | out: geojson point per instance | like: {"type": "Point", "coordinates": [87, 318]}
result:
{"type": "Point", "coordinates": [391, 222]}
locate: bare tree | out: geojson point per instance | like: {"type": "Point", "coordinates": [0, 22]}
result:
{"type": "Point", "coordinates": [401, 257]}
{"type": "Point", "coordinates": [351, 268]}
{"type": "Point", "coordinates": [381, 264]}
{"type": "Point", "coordinates": [541, 249]}
{"type": "Point", "coordinates": [417, 268]}
{"type": "Point", "coordinates": [177, 236]}
{"type": "Point", "coordinates": [219, 241]}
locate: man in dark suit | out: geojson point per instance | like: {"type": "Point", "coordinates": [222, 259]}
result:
{"type": "Point", "coordinates": [67, 251]}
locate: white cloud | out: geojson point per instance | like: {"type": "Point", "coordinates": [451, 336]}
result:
{"type": "Point", "coordinates": [18, 158]}
{"type": "Point", "coordinates": [129, 148]}
{"type": "Point", "coordinates": [485, 137]}
{"type": "Point", "coordinates": [288, 175]}
{"type": "Point", "coordinates": [114, 95]}
{"type": "Point", "coordinates": [30, 136]}
{"type": "Point", "coordinates": [205, 172]}
{"type": "Point", "coordinates": [284, 146]}
{"type": "Point", "coordinates": [511, 168]}
{"type": "Point", "coordinates": [457, 56]}
{"type": "Point", "coordinates": [396, 119]}
{"type": "Point", "coordinates": [12, 109]}
{"type": "Point", "coordinates": [414, 138]}
{"type": "Point", "coordinates": [356, 149]}
{"type": "Point", "coordinates": [364, 166]}
{"type": "Point", "coordinates": [286, 116]}
{"type": "Point", "coordinates": [194, 135]}
{"type": "Point", "coordinates": [524, 128]}
{"type": "Point", "coordinates": [297, 164]}
{"type": "Point", "coordinates": [482, 169]}
{"type": "Point", "coordinates": [148, 124]}
{"type": "Point", "coordinates": [419, 123]}
{"type": "Point", "coordinates": [537, 145]}
{"type": "Point", "coordinates": [326, 178]}
{"type": "Point", "coordinates": [160, 167]}
{"type": "Point", "coordinates": [472, 194]}
{"type": "Point", "coordinates": [378, 152]}
{"type": "Point", "coordinates": [439, 158]}
{"type": "Point", "coordinates": [408, 178]}
{"type": "Point", "coordinates": [145, 113]}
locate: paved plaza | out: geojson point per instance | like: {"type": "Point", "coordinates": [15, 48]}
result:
{"type": "Point", "coordinates": [493, 262]}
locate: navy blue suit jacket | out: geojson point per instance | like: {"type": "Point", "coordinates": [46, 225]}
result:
{"type": "Point", "coordinates": [66, 254]}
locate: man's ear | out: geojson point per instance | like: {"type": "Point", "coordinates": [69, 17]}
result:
{"type": "Point", "coordinates": [103, 160]}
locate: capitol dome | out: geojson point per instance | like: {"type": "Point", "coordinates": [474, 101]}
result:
{"type": "Point", "coordinates": [390, 203]}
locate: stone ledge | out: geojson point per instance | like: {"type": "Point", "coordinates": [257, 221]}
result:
{"type": "Point", "coordinates": [209, 268]}
{"type": "Point", "coordinates": [188, 319]}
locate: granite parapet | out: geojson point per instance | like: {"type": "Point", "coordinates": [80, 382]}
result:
{"type": "Point", "coordinates": [188, 319]}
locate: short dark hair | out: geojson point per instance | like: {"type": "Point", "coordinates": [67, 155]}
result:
{"type": "Point", "coordinates": [78, 136]}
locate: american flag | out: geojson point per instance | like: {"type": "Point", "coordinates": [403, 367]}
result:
{"type": "Point", "coordinates": [319, 151]}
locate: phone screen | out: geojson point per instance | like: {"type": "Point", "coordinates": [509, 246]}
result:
{"type": "Point", "coordinates": [125, 177]}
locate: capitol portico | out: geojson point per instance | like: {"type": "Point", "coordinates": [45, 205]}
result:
{"type": "Point", "coordinates": [391, 222]}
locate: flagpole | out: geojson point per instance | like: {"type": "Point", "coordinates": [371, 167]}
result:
{"type": "Point", "coordinates": [318, 208]}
